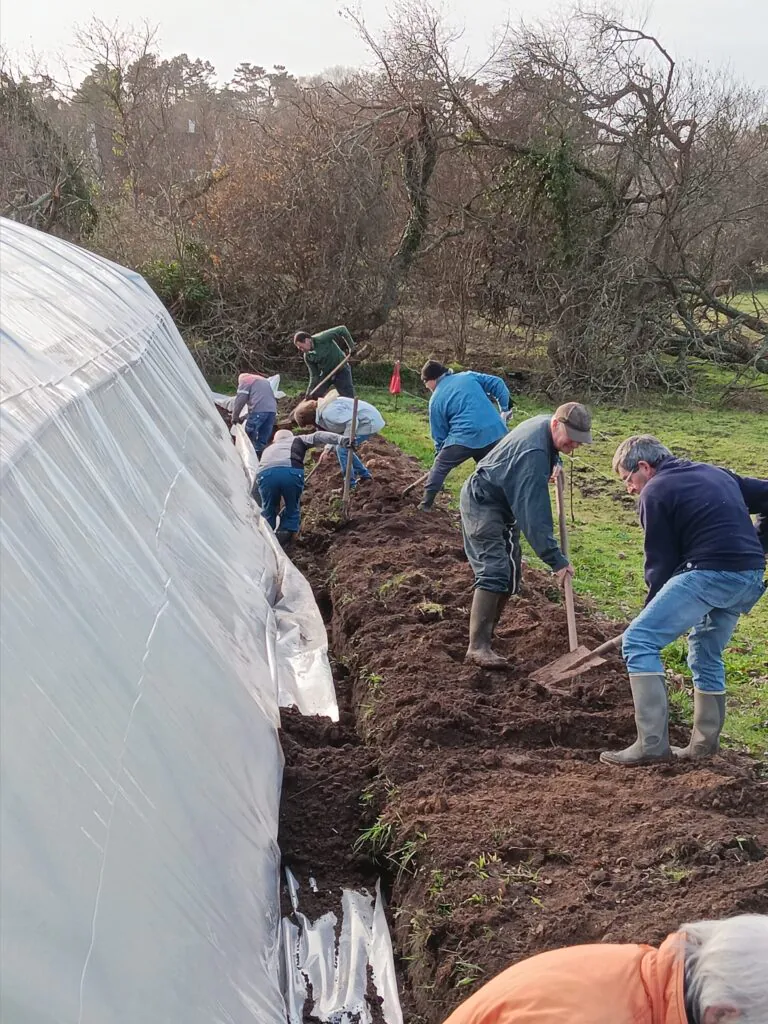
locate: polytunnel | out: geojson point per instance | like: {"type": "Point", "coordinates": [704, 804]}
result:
{"type": "Point", "coordinates": [150, 629]}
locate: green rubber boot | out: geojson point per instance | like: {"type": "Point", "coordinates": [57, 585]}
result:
{"type": "Point", "coordinates": [482, 621]}
{"type": "Point", "coordinates": [708, 719]}
{"type": "Point", "coordinates": [649, 694]}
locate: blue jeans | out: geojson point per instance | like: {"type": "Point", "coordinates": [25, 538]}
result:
{"type": "Point", "coordinates": [259, 427]}
{"type": "Point", "coordinates": [359, 472]}
{"type": "Point", "coordinates": [706, 601]}
{"type": "Point", "coordinates": [282, 484]}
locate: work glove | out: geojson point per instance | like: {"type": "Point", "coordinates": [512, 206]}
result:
{"type": "Point", "coordinates": [349, 442]}
{"type": "Point", "coordinates": [507, 415]}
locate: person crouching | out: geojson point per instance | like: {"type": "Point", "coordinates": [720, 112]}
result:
{"type": "Point", "coordinates": [334, 412]}
{"type": "Point", "coordinates": [280, 478]}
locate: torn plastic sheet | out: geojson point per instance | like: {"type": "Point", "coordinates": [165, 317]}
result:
{"type": "Point", "coordinates": [335, 972]}
{"type": "Point", "coordinates": [149, 624]}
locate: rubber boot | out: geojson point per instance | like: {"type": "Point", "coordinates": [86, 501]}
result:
{"type": "Point", "coordinates": [649, 694]}
{"type": "Point", "coordinates": [708, 719]}
{"type": "Point", "coordinates": [504, 598]}
{"type": "Point", "coordinates": [482, 620]}
{"type": "Point", "coordinates": [426, 502]}
{"type": "Point", "coordinates": [285, 538]}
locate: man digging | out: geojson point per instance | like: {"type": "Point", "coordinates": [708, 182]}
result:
{"type": "Point", "coordinates": [704, 565]}
{"type": "Point", "coordinates": [507, 493]}
{"type": "Point", "coordinates": [463, 420]}
{"type": "Point", "coordinates": [322, 354]}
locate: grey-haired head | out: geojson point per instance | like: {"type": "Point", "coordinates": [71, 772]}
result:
{"type": "Point", "coordinates": [637, 459]}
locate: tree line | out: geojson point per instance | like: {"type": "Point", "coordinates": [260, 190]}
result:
{"type": "Point", "coordinates": [581, 193]}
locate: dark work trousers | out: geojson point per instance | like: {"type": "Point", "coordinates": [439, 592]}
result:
{"type": "Point", "coordinates": [342, 381]}
{"type": "Point", "coordinates": [448, 458]}
{"type": "Point", "coordinates": [491, 541]}
{"type": "Point", "coordinates": [259, 427]}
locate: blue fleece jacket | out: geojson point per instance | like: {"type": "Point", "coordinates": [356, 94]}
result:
{"type": "Point", "coordinates": [461, 409]}
{"type": "Point", "coordinates": [697, 516]}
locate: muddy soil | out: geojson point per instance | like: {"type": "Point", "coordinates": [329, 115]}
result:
{"type": "Point", "coordinates": [499, 832]}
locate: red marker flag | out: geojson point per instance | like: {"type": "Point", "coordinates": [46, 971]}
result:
{"type": "Point", "coordinates": [394, 384]}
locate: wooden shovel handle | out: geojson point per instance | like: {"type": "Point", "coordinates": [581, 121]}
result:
{"type": "Point", "coordinates": [350, 453]}
{"type": "Point", "coordinates": [570, 609]}
{"type": "Point", "coordinates": [328, 376]}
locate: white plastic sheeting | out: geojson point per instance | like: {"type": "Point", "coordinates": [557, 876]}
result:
{"type": "Point", "coordinates": [329, 963]}
{"type": "Point", "coordinates": [149, 621]}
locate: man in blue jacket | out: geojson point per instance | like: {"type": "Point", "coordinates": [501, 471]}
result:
{"type": "Point", "coordinates": [704, 566]}
{"type": "Point", "coordinates": [463, 420]}
{"type": "Point", "coordinates": [507, 493]}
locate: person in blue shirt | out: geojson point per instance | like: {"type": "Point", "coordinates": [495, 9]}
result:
{"type": "Point", "coordinates": [704, 566]}
{"type": "Point", "coordinates": [463, 420]}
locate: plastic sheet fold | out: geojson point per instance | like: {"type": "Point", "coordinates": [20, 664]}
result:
{"type": "Point", "coordinates": [329, 962]}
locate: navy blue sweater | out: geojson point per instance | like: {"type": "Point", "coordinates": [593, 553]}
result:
{"type": "Point", "coordinates": [697, 516]}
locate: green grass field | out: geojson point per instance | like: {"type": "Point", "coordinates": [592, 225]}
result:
{"type": "Point", "coordinates": [606, 539]}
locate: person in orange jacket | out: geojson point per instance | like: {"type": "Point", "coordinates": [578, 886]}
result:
{"type": "Point", "coordinates": [710, 972]}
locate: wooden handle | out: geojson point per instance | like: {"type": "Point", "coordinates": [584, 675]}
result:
{"type": "Point", "coordinates": [607, 645]}
{"type": "Point", "coordinates": [570, 609]}
{"type": "Point", "coordinates": [350, 455]}
{"type": "Point", "coordinates": [415, 483]}
{"type": "Point", "coordinates": [570, 614]}
{"type": "Point", "coordinates": [333, 373]}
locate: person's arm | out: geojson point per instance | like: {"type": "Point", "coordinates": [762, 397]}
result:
{"type": "Point", "coordinates": [240, 399]}
{"type": "Point", "coordinates": [755, 494]}
{"type": "Point", "coordinates": [326, 351]}
{"type": "Point", "coordinates": [310, 360]}
{"type": "Point", "coordinates": [338, 334]}
{"type": "Point", "coordinates": [322, 437]}
{"type": "Point", "coordinates": [495, 388]}
{"type": "Point", "coordinates": [438, 424]}
{"type": "Point", "coordinates": [532, 507]}
{"type": "Point", "coordinates": [662, 553]}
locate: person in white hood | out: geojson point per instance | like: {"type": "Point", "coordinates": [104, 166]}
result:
{"type": "Point", "coordinates": [280, 477]}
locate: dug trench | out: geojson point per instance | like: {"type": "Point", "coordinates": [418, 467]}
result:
{"type": "Point", "coordinates": [479, 796]}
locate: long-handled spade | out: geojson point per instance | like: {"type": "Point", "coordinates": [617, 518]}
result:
{"type": "Point", "coordinates": [579, 658]}
{"type": "Point", "coordinates": [350, 455]}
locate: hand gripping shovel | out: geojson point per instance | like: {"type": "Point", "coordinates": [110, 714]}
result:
{"type": "Point", "coordinates": [579, 658]}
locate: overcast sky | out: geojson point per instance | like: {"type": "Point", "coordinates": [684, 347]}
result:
{"type": "Point", "coordinates": [308, 36]}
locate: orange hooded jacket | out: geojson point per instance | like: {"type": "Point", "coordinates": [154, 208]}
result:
{"type": "Point", "coordinates": [600, 984]}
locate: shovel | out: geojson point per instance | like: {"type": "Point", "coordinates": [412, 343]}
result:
{"type": "Point", "coordinates": [350, 456]}
{"type": "Point", "coordinates": [573, 664]}
{"type": "Point", "coordinates": [415, 483]}
{"type": "Point", "coordinates": [578, 658]}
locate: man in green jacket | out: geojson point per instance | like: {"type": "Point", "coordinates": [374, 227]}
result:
{"type": "Point", "coordinates": [322, 354]}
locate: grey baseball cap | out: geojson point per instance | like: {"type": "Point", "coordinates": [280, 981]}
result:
{"type": "Point", "coordinates": [577, 420]}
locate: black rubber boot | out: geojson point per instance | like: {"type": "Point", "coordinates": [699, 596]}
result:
{"type": "Point", "coordinates": [482, 621]}
{"type": "Point", "coordinates": [649, 694]}
{"type": "Point", "coordinates": [427, 501]}
{"type": "Point", "coordinates": [285, 538]}
{"type": "Point", "coordinates": [708, 720]}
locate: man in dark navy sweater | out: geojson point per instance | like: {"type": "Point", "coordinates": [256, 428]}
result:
{"type": "Point", "coordinates": [704, 566]}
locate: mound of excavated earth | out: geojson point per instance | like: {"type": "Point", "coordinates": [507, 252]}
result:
{"type": "Point", "coordinates": [479, 796]}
